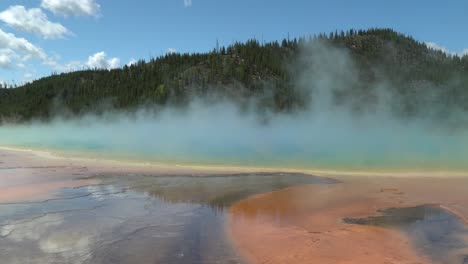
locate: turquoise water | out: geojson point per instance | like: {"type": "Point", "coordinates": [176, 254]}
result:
{"type": "Point", "coordinates": [222, 136]}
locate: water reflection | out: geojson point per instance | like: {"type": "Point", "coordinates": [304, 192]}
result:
{"type": "Point", "coordinates": [214, 190]}
{"type": "Point", "coordinates": [435, 231]}
{"type": "Point", "coordinates": [134, 219]}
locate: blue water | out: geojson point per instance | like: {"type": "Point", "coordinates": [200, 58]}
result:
{"type": "Point", "coordinates": [219, 134]}
{"type": "Point", "coordinates": [434, 231]}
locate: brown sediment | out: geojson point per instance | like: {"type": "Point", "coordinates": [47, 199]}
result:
{"type": "Point", "coordinates": [27, 175]}
{"type": "Point", "coordinates": [296, 225]}
{"type": "Point", "coordinates": [303, 224]}
{"type": "Point", "coordinates": [38, 191]}
{"type": "Point", "coordinates": [16, 158]}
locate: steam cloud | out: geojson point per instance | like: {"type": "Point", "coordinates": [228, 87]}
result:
{"type": "Point", "coordinates": [327, 135]}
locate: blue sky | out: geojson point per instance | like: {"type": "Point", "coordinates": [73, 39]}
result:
{"type": "Point", "coordinates": [38, 37]}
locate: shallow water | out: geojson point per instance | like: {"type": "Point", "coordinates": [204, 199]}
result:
{"type": "Point", "coordinates": [435, 232]}
{"type": "Point", "coordinates": [134, 219]}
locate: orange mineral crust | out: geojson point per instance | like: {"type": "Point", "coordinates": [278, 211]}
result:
{"type": "Point", "coordinates": [304, 224]}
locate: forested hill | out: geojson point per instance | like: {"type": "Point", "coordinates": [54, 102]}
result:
{"type": "Point", "coordinates": [252, 70]}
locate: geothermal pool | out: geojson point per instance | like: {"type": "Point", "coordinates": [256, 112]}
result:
{"type": "Point", "coordinates": [133, 219]}
{"type": "Point", "coordinates": [65, 210]}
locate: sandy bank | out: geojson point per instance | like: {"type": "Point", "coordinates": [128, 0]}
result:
{"type": "Point", "coordinates": [25, 169]}
{"type": "Point", "coordinates": [102, 163]}
{"type": "Point", "coordinates": [31, 175]}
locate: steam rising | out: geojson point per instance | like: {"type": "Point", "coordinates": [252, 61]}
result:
{"type": "Point", "coordinates": [327, 135]}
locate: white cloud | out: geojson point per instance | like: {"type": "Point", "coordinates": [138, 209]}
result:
{"type": "Point", "coordinates": [464, 52]}
{"type": "Point", "coordinates": [6, 58]}
{"type": "Point", "coordinates": [435, 46]}
{"type": "Point", "coordinates": [96, 61]}
{"type": "Point", "coordinates": [31, 230]}
{"type": "Point", "coordinates": [71, 245]}
{"type": "Point", "coordinates": [187, 3]}
{"type": "Point", "coordinates": [9, 41]}
{"type": "Point", "coordinates": [99, 61]}
{"type": "Point", "coordinates": [132, 62]}
{"type": "Point", "coordinates": [5, 61]}
{"type": "Point", "coordinates": [72, 7]}
{"type": "Point", "coordinates": [171, 50]}
{"type": "Point", "coordinates": [32, 20]}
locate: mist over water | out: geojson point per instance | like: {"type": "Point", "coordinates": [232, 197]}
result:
{"type": "Point", "coordinates": [325, 135]}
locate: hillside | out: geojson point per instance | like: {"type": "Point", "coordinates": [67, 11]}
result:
{"type": "Point", "coordinates": [262, 73]}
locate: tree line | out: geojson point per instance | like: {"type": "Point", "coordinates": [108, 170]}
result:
{"type": "Point", "coordinates": [250, 71]}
